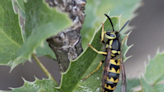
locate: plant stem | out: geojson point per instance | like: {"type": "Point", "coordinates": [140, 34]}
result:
{"type": "Point", "coordinates": [44, 68]}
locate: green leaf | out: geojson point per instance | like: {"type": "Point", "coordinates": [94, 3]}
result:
{"type": "Point", "coordinates": [95, 10]}
{"type": "Point", "coordinates": [154, 74]}
{"type": "Point", "coordinates": [42, 22]}
{"type": "Point", "coordinates": [10, 33]}
{"type": "Point", "coordinates": [43, 18]}
{"type": "Point", "coordinates": [45, 51]}
{"type": "Point", "coordinates": [154, 70]}
{"type": "Point", "coordinates": [131, 83]}
{"type": "Point", "coordinates": [154, 88]}
{"type": "Point", "coordinates": [85, 64]}
{"type": "Point", "coordinates": [125, 48]}
{"type": "Point", "coordinates": [44, 85]}
{"type": "Point", "coordinates": [41, 51]}
{"type": "Point", "coordinates": [20, 4]}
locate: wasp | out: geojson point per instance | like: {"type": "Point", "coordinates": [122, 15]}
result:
{"type": "Point", "coordinates": [113, 62]}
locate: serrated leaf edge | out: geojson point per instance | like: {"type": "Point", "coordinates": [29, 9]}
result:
{"type": "Point", "coordinates": [149, 58]}
{"type": "Point", "coordinates": [26, 81]}
{"type": "Point", "coordinates": [128, 47]}
{"type": "Point", "coordinates": [133, 14]}
{"type": "Point", "coordinates": [18, 13]}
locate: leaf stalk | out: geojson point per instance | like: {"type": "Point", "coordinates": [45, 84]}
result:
{"type": "Point", "coordinates": [43, 68]}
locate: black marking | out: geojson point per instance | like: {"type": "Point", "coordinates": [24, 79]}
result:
{"type": "Point", "coordinates": [116, 61]}
{"type": "Point", "coordinates": [116, 67]}
{"type": "Point", "coordinates": [105, 89]}
{"type": "Point", "coordinates": [113, 75]}
{"type": "Point", "coordinates": [111, 83]}
{"type": "Point", "coordinates": [108, 33]}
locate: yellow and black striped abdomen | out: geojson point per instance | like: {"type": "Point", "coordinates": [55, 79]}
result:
{"type": "Point", "coordinates": [112, 76]}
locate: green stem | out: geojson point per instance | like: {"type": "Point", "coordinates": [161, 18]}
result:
{"type": "Point", "coordinates": [44, 68]}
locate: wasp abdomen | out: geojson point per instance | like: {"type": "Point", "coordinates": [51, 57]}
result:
{"type": "Point", "coordinates": [112, 76]}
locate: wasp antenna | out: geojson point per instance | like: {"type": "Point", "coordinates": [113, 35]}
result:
{"type": "Point", "coordinates": [124, 25]}
{"type": "Point", "coordinates": [110, 21]}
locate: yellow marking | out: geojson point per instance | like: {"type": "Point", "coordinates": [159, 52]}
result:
{"type": "Point", "coordinates": [111, 41]}
{"type": "Point", "coordinates": [114, 51]}
{"type": "Point", "coordinates": [110, 46]}
{"type": "Point", "coordinates": [102, 32]}
{"type": "Point", "coordinates": [109, 37]}
{"type": "Point", "coordinates": [112, 55]}
{"type": "Point", "coordinates": [118, 52]}
{"type": "Point", "coordinates": [114, 71]}
{"type": "Point", "coordinates": [112, 61]}
{"type": "Point", "coordinates": [99, 52]}
{"type": "Point", "coordinates": [109, 87]}
{"type": "Point", "coordinates": [107, 45]}
{"type": "Point", "coordinates": [112, 80]}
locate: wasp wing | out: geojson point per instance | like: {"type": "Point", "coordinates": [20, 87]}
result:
{"type": "Point", "coordinates": [123, 76]}
{"type": "Point", "coordinates": [106, 67]}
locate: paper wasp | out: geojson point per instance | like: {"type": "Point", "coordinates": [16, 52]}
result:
{"type": "Point", "coordinates": [113, 62]}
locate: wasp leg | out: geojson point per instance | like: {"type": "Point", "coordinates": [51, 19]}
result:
{"type": "Point", "coordinates": [99, 52]}
{"type": "Point", "coordinates": [93, 71]}
{"type": "Point", "coordinates": [102, 32]}
{"type": "Point", "coordinates": [123, 77]}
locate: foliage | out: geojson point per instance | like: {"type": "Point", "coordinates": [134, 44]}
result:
{"type": "Point", "coordinates": [39, 26]}
{"type": "Point", "coordinates": [154, 75]}
{"type": "Point", "coordinates": [41, 22]}
{"type": "Point", "coordinates": [37, 86]}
